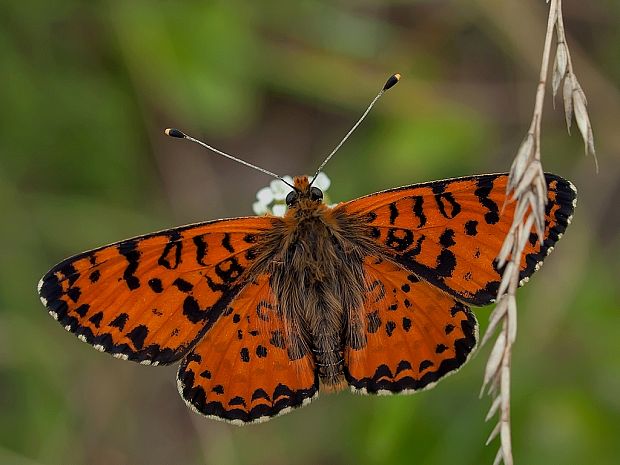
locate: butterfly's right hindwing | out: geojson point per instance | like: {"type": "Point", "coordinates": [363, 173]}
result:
{"type": "Point", "coordinates": [415, 333]}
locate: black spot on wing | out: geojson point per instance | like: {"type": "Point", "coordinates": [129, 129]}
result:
{"type": "Point", "coordinates": [261, 394]}
{"type": "Point", "coordinates": [120, 321]}
{"type": "Point", "coordinates": [403, 365]}
{"type": "Point", "coordinates": [94, 276]}
{"type": "Point", "coordinates": [424, 364]}
{"type": "Point", "coordinates": [471, 228]}
{"type": "Point", "coordinates": [228, 270]}
{"type": "Point", "coordinates": [129, 250]}
{"type": "Point", "coordinates": [447, 238]}
{"type": "Point", "coordinates": [238, 400]}
{"type": "Point", "coordinates": [96, 319]}
{"type": "Point", "coordinates": [418, 210]}
{"type": "Point", "coordinates": [138, 335]}
{"type": "Point", "coordinates": [156, 285]}
{"type": "Point", "coordinates": [250, 254]}
{"type": "Point", "coordinates": [171, 255]}
{"type": "Point", "coordinates": [399, 239]}
{"type": "Point", "coordinates": [393, 212]}
{"type": "Point", "coordinates": [440, 349]}
{"type": "Point", "coordinates": [447, 205]}
{"type": "Point", "coordinates": [182, 285]}
{"type": "Point", "coordinates": [82, 310]}
{"type": "Point", "coordinates": [485, 186]}
{"type": "Point", "coordinates": [261, 351]}
{"type": "Point", "coordinates": [370, 217]}
{"type": "Point", "coordinates": [201, 249]}
{"type": "Point", "coordinates": [226, 243]}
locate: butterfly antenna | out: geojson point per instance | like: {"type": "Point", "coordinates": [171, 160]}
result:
{"type": "Point", "coordinates": [391, 82]}
{"type": "Point", "coordinates": [181, 135]}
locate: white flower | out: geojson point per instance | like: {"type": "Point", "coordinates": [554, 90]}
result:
{"type": "Point", "coordinates": [265, 196]}
{"type": "Point", "coordinates": [279, 189]}
{"type": "Point", "coordinates": [260, 208]}
{"type": "Point", "coordinates": [278, 209]}
{"type": "Point", "coordinates": [271, 199]}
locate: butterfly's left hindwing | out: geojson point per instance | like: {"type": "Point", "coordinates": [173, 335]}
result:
{"type": "Point", "coordinates": [241, 371]}
{"type": "Point", "coordinates": [450, 232]}
{"type": "Point", "coordinates": [150, 298]}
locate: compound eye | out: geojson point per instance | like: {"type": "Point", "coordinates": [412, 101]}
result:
{"type": "Point", "coordinates": [316, 193]}
{"type": "Point", "coordinates": [291, 198]}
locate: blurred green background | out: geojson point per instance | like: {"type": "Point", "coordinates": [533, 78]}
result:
{"type": "Point", "coordinates": [86, 90]}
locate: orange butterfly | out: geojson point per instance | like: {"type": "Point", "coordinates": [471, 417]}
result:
{"type": "Point", "coordinates": [267, 311]}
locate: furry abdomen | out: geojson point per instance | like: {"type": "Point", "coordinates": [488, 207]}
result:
{"type": "Point", "coordinates": [319, 292]}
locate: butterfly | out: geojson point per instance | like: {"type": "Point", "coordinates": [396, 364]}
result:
{"type": "Point", "coordinates": [266, 312]}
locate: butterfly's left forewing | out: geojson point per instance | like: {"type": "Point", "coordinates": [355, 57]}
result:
{"type": "Point", "coordinates": [450, 232]}
{"type": "Point", "coordinates": [150, 298]}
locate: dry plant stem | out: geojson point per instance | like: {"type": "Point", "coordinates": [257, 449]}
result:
{"type": "Point", "coordinates": [526, 186]}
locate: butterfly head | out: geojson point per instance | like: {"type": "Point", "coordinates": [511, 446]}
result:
{"type": "Point", "coordinates": [304, 194]}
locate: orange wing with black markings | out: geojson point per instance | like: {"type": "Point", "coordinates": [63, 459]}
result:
{"type": "Point", "coordinates": [415, 333]}
{"type": "Point", "coordinates": [450, 232]}
{"type": "Point", "coordinates": [150, 298]}
{"type": "Point", "coordinates": [241, 371]}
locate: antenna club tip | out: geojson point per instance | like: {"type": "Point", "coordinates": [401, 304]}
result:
{"type": "Point", "coordinates": [392, 81]}
{"type": "Point", "coordinates": [174, 133]}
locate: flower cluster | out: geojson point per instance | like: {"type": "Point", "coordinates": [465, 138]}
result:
{"type": "Point", "coordinates": [271, 199]}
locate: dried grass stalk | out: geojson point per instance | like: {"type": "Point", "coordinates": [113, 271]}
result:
{"type": "Point", "coordinates": [527, 187]}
